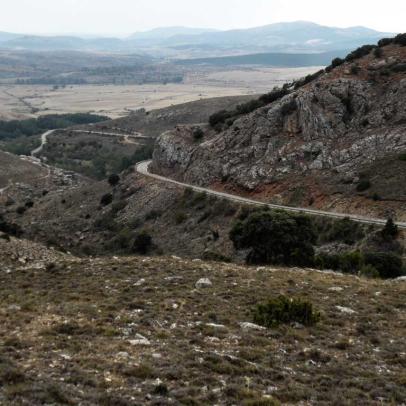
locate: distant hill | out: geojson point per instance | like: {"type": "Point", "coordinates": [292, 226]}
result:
{"type": "Point", "coordinates": [293, 37]}
{"type": "Point", "coordinates": [269, 59]}
{"type": "Point", "coordinates": [7, 36]}
{"type": "Point", "coordinates": [168, 32]}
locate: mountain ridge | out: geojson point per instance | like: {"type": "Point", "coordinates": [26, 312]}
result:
{"type": "Point", "coordinates": [305, 36]}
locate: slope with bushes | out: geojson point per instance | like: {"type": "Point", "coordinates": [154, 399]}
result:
{"type": "Point", "coordinates": [332, 140]}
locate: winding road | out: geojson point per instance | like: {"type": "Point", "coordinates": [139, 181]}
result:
{"type": "Point", "coordinates": [44, 140]}
{"type": "Point", "coordinates": [143, 169]}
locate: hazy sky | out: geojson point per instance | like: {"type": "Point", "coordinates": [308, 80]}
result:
{"type": "Point", "coordinates": [128, 16]}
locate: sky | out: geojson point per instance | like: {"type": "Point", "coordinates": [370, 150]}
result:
{"type": "Point", "coordinates": [121, 17]}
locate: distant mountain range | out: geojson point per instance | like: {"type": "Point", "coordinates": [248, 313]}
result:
{"type": "Point", "coordinates": [292, 37]}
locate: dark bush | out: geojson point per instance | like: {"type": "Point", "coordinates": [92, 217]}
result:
{"type": "Point", "coordinates": [363, 184]}
{"type": "Point", "coordinates": [355, 69]}
{"type": "Point", "coordinates": [289, 108]}
{"type": "Point", "coordinates": [216, 120]}
{"type": "Point", "coordinates": [402, 156]}
{"type": "Point", "coordinates": [388, 265]}
{"type": "Point", "coordinates": [21, 209]}
{"type": "Point", "coordinates": [106, 199]}
{"type": "Point", "coordinates": [399, 67]}
{"type": "Point", "coordinates": [275, 237]}
{"type": "Point", "coordinates": [344, 230]}
{"type": "Point", "coordinates": [385, 41]}
{"type": "Point", "coordinates": [114, 179]}
{"type": "Point", "coordinates": [198, 133]}
{"type": "Point", "coordinates": [307, 79]}
{"type": "Point", "coordinates": [9, 228]}
{"type": "Point", "coordinates": [378, 53]}
{"type": "Point", "coordinates": [142, 243]}
{"type": "Point", "coordinates": [359, 52]}
{"type": "Point", "coordinates": [390, 231]}
{"type": "Point", "coordinates": [274, 95]}
{"type": "Point", "coordinates": [153, 215]}
{"type": "Point", "coordinates": [337, 62]}
{"type": "Point", "coordinates": [348, 262]}
{"type": "Point", "coordinates": [219, 117]}
{"type": "Point", "coordinates": [284, 310]}
{"type": "Point", "coordinates": [400, 39]}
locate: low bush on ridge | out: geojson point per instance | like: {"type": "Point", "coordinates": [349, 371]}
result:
{"type": "Point", "coordinates": [284, 310]}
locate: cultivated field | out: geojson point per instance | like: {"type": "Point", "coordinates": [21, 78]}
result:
{"type": "Point", "coordinates": [22, 101]}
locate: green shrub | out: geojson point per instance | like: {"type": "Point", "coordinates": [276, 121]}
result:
{"type": "Point", "coordinates": [106, 199]}
{"type": "Point", "coordinates": [390, 231]}
{"type": "Point", "coordinates": [307, 79]}
{"type": "Point", "coordinates": [113, 179]}
{"type": "Point", "coordinates": [363, 184]}
{"type": "Point", "coordinates": [275, 237]}
{"type": "Point", "coordinates": [402, 156]}
{"type": "Point", "coordinates": [327, 261]}
{"type": "Point", "coordinates": [215, 257]}
{"type": "Point", "coordinates": [355, 69]}
{"type": "Point", "coordinates": [385, 41]}
{"type": "Point", "coordinates": [399, 67]}
{"type": "Point", "coordinates": [378, 53]}
{"type": "Point", "coordinates": [122, 240]}
{"type": "Point", "coordinates": [289, 108]}
{"type": "Point", "coordinates": [142, 243]}
{"type": "Point", "coordinates": [348, 262]}
{"type": "Point", "coordinates": [180, 217]}
{"type": "Point", "coordinates": [285, 310]}
{"type": "Point", "coordinates": [351, 262]}
{"type": "Point", "coordinates": [369, 271]}
{"type": "Point", "coordinates": [359, 52]}
{"type": "Point", "coordinates": [21, 209]}
{"type": "Point", "coordinates": [400, 39]}
{"type": "Point", "coordinates": [388, 265]}
{"type": "Point", "coordinates": [217, 119]}
{"type": "Point", "coordinates": [153, 215]}
{"type": "Point", "coordinates": [337, 62]}
{"type": "Point", "coordinates": [344, 230]}
{"type": "Point", "coordinates": [9, 228]}
{"type": "Point", "coordinates": [198, 133]}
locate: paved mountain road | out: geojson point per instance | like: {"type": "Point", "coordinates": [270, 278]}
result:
{"type": "Point", "coordinates": [142, 168]}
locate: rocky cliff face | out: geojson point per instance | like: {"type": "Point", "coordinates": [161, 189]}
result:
{"type": "Point", "coordinates": [327, 132]}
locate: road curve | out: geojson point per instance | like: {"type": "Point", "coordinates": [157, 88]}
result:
{"type": "Point", "coordinates": [44, 140]}
{"type": "Point", "coordinates": [142, 168]}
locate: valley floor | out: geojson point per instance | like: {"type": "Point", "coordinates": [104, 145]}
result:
{"type": "Point", "coordinates": [24, 101]}
{"type": "Point", "coordinates": [135, 330]}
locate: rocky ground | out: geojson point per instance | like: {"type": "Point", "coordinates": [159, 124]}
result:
{"type": "Point", "coordinates": [129, 331]}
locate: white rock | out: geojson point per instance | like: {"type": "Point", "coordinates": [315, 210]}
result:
{"type": "Point", "coordinates": [203, 283]}
{"type": "Point", "coordinates": [140, 282]}
{"type": "Point", "coordinates": [400, 279]}
{"type": "Point", "coordinates": [215, 325]}
{"type": "Point", "coordinates": [336, 289]}
{"type": "Point", "coordinates": [251, 326]}
{"type": "Point", "coordinates": [140, 340]}
{"type": "Point", "coordinates": [346, 310]}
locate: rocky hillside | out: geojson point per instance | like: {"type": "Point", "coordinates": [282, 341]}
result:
{"type": "Point", "coordinates": [337, 142]}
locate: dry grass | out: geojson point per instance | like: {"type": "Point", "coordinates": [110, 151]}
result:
{"type": "Point", "coordinates": [67, 334]}
{"type": "Point", "coordinates": [117, 100]}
